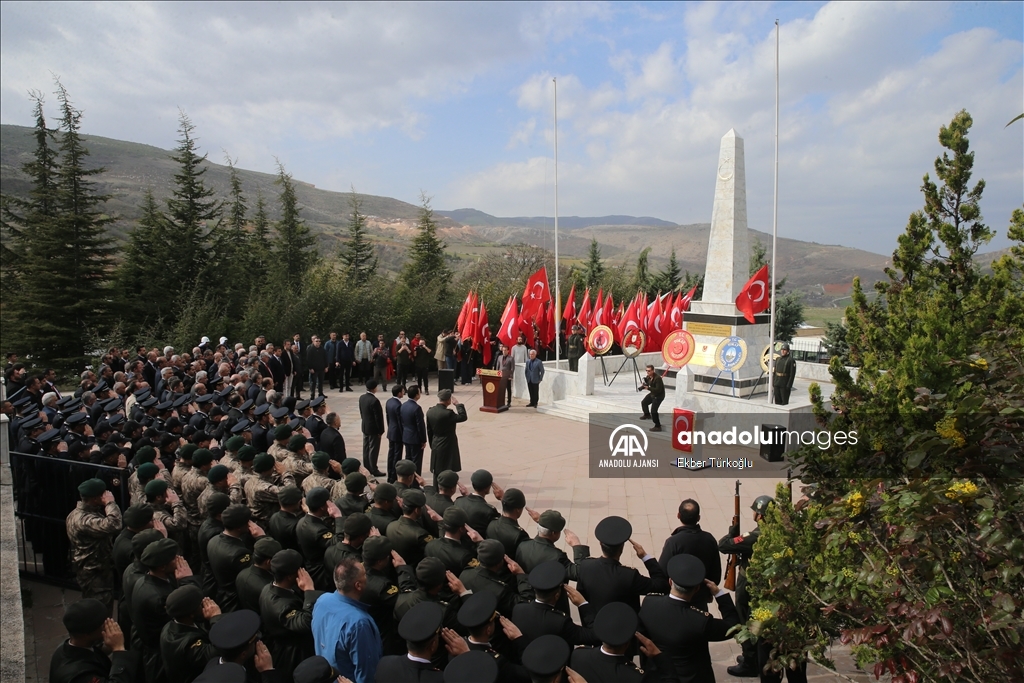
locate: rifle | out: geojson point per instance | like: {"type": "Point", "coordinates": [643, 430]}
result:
{"type": "Point", "coordinates": [730, 565]}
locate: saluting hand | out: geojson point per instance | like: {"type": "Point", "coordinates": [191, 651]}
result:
{"type": "Point", "coordinates": [455, 584]}
{"type": "Point", "coordinates": [575, 597]}
{"type": "Point", "coordinates": [463, 490]}
{"type": "Point", "coordinates": [420, 481]}
{"type": "Point", "coordinates": [172, 496]}
{"type": "Point", "coordinates": [159, 526]}
{"type": "Point", "coordinates": [181, 568]}
{"type": "Point", "coordinates": [374, 531]}
{"type": "Point", "coordinates": [254, 530]}
{"type": "Point", "coordinates": [210, 609]}
{"type": "Point", "coordinates": [712, 586]}
{"type": "Point", "coordinates": [333, 510]}
{"type": "Point", "coordinates": [534, 515]}
{"type": "Point", "coordinates": [263, 660]}
{"type": "Point", "coordinates": [473, 534]}
{"type": "Point", "coordinates": [574, 677]}
{"type": "Point", "coordinates": [453, 642]}
{"type": "Point", "coordinates": [304, 581]}
{"type": "Point", "coordinates": [113, 637]}
{"type": "Point", "coordinates": [512, 631]}
{"type": "Point", "coordinates": [647, 645]}
{"type": "Point", "coordinates": [396, 559]}
{"type": "Point", "coordinates": [122, 461]}
{"type": "Point", "coordinates": [432, 514]}
{"type": "Point", "coordinates": [498, 492]}
{"type": "Point", "coordinates": [513, 566]}
{"type": "Point", "coordinates": [639, 549]}
{"type": "Point", "coordinates": [107, 497]}
{"type": "Point", "coordinates": [572, 539]}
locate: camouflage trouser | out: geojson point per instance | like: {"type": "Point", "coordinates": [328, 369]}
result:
{"type": "Point", "coordinates": [98, 584]}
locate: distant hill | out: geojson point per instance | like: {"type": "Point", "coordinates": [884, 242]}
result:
{"type": "Point", "coordinates": [823, 272]}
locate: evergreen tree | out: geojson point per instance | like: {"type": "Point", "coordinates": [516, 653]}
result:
{"type": "Point", "coordinates": [142, 276]}
{"type": "Point", "coordinates": [593, 270]}
{"type": "Point", "coordinates": [259, 241]}
{"type": "Point", "coordinates": [691, 280]}
{"type": "Point", "coordinates": [669, 279]}
{"type": "Point", "coordinates": [233, 277]}
{"type": "Point", "coordinates": [642, 281]}
{"type": "Point", "coordinates": [239, 206]}
{"type": "Point", "coordinates": [294, 249]}
{"type": "Point", "coordinates": [426, 253]}
{"type": "Point", "coordinates": [358, 253]}
{"type": "Point", "coordinates": [789, 307]}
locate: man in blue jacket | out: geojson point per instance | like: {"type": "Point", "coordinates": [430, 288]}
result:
{"type": "Point", "coordinates": [393, 411]}
{"type": "Point", "coordinates": [346, 358]}
{"type": "Point", "coordinates": [534, 376]}
{"type": "Point", "coordinates": [414, 428]}
{"type": "Point", "coordinates": [331, 349]}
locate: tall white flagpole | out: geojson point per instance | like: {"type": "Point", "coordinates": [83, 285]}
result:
{"type": "Point", "coordinates": [558, 291]}
{"type": "Point", "coordinates": [775, 228]}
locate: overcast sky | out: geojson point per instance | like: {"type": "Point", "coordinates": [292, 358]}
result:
{"type": "Point", "coordinates": [456, 99]}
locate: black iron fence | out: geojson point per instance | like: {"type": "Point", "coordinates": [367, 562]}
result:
{"type": "Point", "coordinates": [45, 493]}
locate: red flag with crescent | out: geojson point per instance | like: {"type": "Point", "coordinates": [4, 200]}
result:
{"type": "Point", "coordinates": [584, 315]}
{"type": "Point", "coordinates": [465, 309]}
{"type": "Point", "coordinates": [569, 313]}
{"type": "Point", "coordinates": [683, 422]}
{"type": "Point", "coordinates": [684, 303]}
{"type": "Point", "coordinates": [509, 324]}
{"type": "Point", "coordinates": [469, 322]}
{"type": "Point", "coordinates": [598, 318]}
{"type": "Point", "coordinates": [609, 308]}
{"type": "Point", "coordinates": [535, 295]}
{"type": "Point", "coordinates": [483, 332]}
{"type": "Point", "coordinates": [754, 298]}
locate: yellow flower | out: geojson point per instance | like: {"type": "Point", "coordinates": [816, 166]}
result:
{"type": "Point", "coordinates": [878, 445]}
{"type": "Point", "coordinates": [761, 614]}
{"type": "Point", "coordinates": [892, 570]}
{"type": "Point", "coordinates": [962, 491]}
{"type": "Point", "coordinates": [854, 536]}
{"type": "Point", "coordinates": [980, 363]}
{"type": "Point", "coordinates": [955, 556]}
{"type": "Point", "coordinates": [789, 552]}
{"type": "Point", "coordinates": [849, 573]}
{"type": "Point", "coordinates": [855, 501]}
{"type": "Point", "coordinates": [777, 556]}
{"type": "Point", "coordinates": [946, 428]}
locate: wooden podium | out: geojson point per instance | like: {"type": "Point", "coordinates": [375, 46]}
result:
{"type": "Point", "coordinates": [494, 388]}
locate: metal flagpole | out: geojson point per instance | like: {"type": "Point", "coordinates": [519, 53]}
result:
{"type": "Point", "coordinates": [775, 228]}
{"type": "Point", "coordinates": [558, 291]}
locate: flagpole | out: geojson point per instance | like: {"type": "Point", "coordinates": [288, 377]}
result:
{"type": "Point", "coordinates": [775, 227]}
{"type": "Point", "coordinates": [558, 291]}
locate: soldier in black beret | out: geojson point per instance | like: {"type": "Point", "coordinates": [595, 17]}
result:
{"type": "Point", "coordinates": [406, 533]}
{"type": "Point", "coordinates": [184, 640]}
{"type": "Point", "coordinates": [355, 529]}
{"type": "Point", "coordinates": [456, 549]}
{"type": "Point", "coordinates": [286, 610]}
{"type": "Point", "coordinates": [545, 658]}
{"type": "Point", "coordinates": [387, 576]}
{"type": "Point", "coordinates": [506, 528]}
{"type": "Point", "coordinates": [79, 658]}
{"type": "Point", "coordinates": [603, 580]}
{"type": "Point", "coordinates": [540, 617]}
{"type": "Point", "coordinates": [420, 628]}
{"type": "Point", "coordinates": [407, 478]}
{"type": "Point", "coordinates": [616, 625]}
{"type": "Point", "coordinates": [541, 548]}
{"type": "Point", "coordinates": [211, 526]}
{"type": "Point", "coordinates": [230, 552]}
{"type": "Point", "coordinates": [354, 499]}
{"type": "Point", "coordinates": [315, 533]}
{"type": "Point", "coordinates": [441, 496]}
{"type": "Point", "coordinates": [480, 512]}
{"type": "Point", "coordinates": [384, 508]}
{"type": "Point", "coordinates": [251, 581]}
{"type": "Point", "coordinates": [283, 522]}
{"type": "Point", "coordinates": [479, 616]}
{"type": "Point", "coordinates": [431, 580]}
{"type": "Point", "coordinates": [497, 573]}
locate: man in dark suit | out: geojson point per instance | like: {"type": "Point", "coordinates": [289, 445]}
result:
{"type": "Point", "coordinates": [276, 368]}
{"type": "Point", "coordinates": [316, 361]}
{"type": "Point", "coordinates": [371, 419]}
{"type": "Point", "coordinates": [603, 580]}
{"type": "Point", "coordinates": [393, 410]}
{"type": "Point", "coordinates": [444, 443]}
{"type": "Point", "coordinates": [414, 428]}
{"type": "Point", "coordinates": [331, 442]}
{"type": "Point", "coordinates": [692, 540]}
{"type": "Point", "coordinates": [346, 358]}
{"type": "Point", "coordinates": [331, 349]}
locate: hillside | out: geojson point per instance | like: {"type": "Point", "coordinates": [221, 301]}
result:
{"type": "Point", "coordinates": [822, 272]}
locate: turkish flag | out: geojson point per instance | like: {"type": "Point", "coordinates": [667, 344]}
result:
{"type": "Point", "coordinates": [682, 423]}
{"type": "Point", "coordinates": [754, 297]}
{"type": "Point", "coordinates": [569, 313]}
{"type": "Point", "coordinates": [468, 323]}
{"type": "Point", "coordinates": [465, 309]}
{"type": "Point", "coordinates": [536, 294]}
{"type": "Point", "coordinates": [655, 331]}
{"type": "Point", "coordinates": [509, 324]}
{"type": "Point", "coordinates": [599, 309]}
{"type": "Point", "coordinates": [584, 315]}
{"type": "Point", "coordinates": [630, 318]}
{"type": "Point", "coordinates": [526, 329]}
{"type": "Point", "coordinates": [609, 307]}
{"type": "Point", "coordinates": [546, 327]}
{"type": "Point", "coordinates": [483, 334]}
{"type": "Point", "coordinates": [684, 303]}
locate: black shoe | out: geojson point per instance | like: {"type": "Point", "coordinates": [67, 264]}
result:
{"type": "Point", "coordinates": [739, 659]}
{"type": "Point", "coordinates": [645, 417]}
{"type": "Point", "coordinates": [378, 473]}
{"type": "Point", "coordinates": [741, 671]}
{"type": "Point", "coordinates": [348, 388]}
{"type": "Point", "coordinates": [656, 428]}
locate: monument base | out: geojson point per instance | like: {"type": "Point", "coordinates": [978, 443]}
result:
{"type": "Point", "coordinates": [712, 323]}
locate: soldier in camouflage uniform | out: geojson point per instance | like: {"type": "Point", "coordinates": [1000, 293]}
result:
{"type": "Point", "coordinates": [243, 465]}
{"type": "Point", "coordinates": [183, 465]}
{"type": "Point", "coordinates": [91, 527]}
{"type": "Point", "coordinates": [231, 448]}
{"type": "Point", "coordinates": [279, 449]}
{"type": "Point", "coordinates": [136, 486]}
{"type": "Point", "coordinates": [319, 477]}
{"type": "Point", "coordinates": [261, 490]}
{"type": "Point", "coordinates": [221, 481]}
{"type": "Point", "coordinates": [297, 461]}
{"type": "Point", "coordinates": [167, 508]}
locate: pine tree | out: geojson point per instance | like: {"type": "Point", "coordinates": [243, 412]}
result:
{"type": "Point", "coordinates": [691, 280]}
{"type": "Point", "coordinates": [642, 281]}
{"type": "Point", "coordinates": [593, 270]}
{"type": "Point", "coordinates": [358, 253]}
{"type": "Point", "coordinates": [426, 253]}
{"type": "Point", "coordinates": [231, 277]}
{"type": "Point", "coordinates": [294, 252]}
{"type": "Point", "coordinates": [142, 277]}
{"type": "Point", "coordinates": [259, 241]}
{"type": "Point", "coordinates": [669, 279]}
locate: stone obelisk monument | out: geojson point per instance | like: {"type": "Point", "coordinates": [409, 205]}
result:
{"type": "Point", "coordinates": [715, 317]}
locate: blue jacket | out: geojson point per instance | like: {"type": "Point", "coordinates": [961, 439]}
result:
{"type": "Point", "coordinates": [346, 636]}
{"type": "Point", "coordinates": [331, 349]}
{"type": "Point", "coordinates": [414, 426]}
{"type": "Point", "coordinates": [534, 371]}
{"type": "Point", "coordinates": [393, 408]}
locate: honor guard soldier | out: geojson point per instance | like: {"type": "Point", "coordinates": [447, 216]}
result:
{"type": "Point", "coordinates": [540, 617]}
{"type": "Point", "coordinates": [575, 347]}
{"type": "Point", "coordinates": [615, 626]}
{"type": "Point", "coordinates": [420, 628]}
{"type": "Point", "coordinates": [314, 534]}
{"type": "Point", "coordinates": [603, 580]}
{"type": "Point", "coordinates": [496, 573]}
{"type": "Point", "coordinates": [81, 657]}
{"type": "Point", "coordinates": [681, 629]}
{"type": "Point", "coordinates": [355, 532]}
{"type": "Point", "coordinates": [386, 578]}
{"type": "Point", "coordinates": [480, 512]}
{"type": "Point", "coordinates": [472, 667]}
{"type": "Point", "coordinates": [479, 616]}
{"type": "Point", "coordinates": [506, 528]}
{"type": "Point", "coordinates": [545, 658]}
{"type": "Point", "coordinates": [454, 552]}
{"type": "Point", "coordinates": [251, 581]}
{"type": "Point", "coordinates": [184, 641]}
{"type": "Point", "coordinates": [91, 528]}
{"type": "Point", "coordinates": [785, 374]}
{"type": "Point", "coordinates": [286, 609]}
{"type": "Point", "coordinates": [230, 552]}
{"type": "Point", "coordinates": [283, 522]}
{"type": "Point", "coordinates": [406, 533]}
{"type": "Point", "coordinates": [542, 548]}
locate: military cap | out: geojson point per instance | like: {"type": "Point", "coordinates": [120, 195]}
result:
{"type": "Point", "coordinates": [130, 426]}
{"type": "Point", "coordinates": [385, 492]}
{"type": "Point", "coordinates": [444, 395]}
{"type": "Point", "coordinates": [478, 609]}
{"type": "Point", "coordinates": [317, 497]}
{"type": "Point", "coordinates": [205, 398]}
{"type": "Point", "coordinates": [481, 479]}
{"type": "Point", "coordinates": [514, 499]}
{"type": "Point", "coordinates": [266, 547]}
{"type": "Point", "coordinates": [217, 503]}
{"type": "Point", "coordinates": [112, 405]}
{"type": "Point", "coordinates": [184, 601]}
{"type": "Point", "coordinates": [234, 443]}
{"type": "Point", "coordinates": [165, 406]}
{"type": "Point", "coordinates": [145, 454]}
{"type": "Point", "coordinates": [236, 516]}
{"type": "Point", "coordinates": [108, 449]}
{"type": "Point", "coordinates": [200, 437]}
{"type": "Point", "coordinates": [48, 436]}
{"type": "Point", "coordinates": [157, 487]}
{"type": "Point", "coordinates": [376, 548]}
{"type": "Point", "coordinates": [263, 462]}
{"type": "Point", "coordinates": [278, 412]}
{"type": "Point", "coordinates": [349, 465]}
{"type": "Point", "coordinates": [613, 530]}
{"type": "Point", "coordinates": [785, 347]}
{"type": "Point", "coordinates": [547, 576]}
{"type": "Point", "coordinates": [226, 391]}
{"type": "Point", "coordinates": [103, 427]}
{"type": "Point", "coordinates": [138, 516]}
{"type": "Point", "coordinates": [84, 616]}
{"type": "Point", "coordinates": [405, 468]}
{"type": "Point", "coordinates": [489, 551]}
{"type": "Point", "coordinates": [314, 670]}
{"type": "Point", "coordinates": [430, 571]}
{"type": "Point", "coordinates": [285, 562]}
{"type": "Point", "coordinates": [296, 423]}
{"type": "Point", "coordinates": [180, 401]}
{"type": "Point", "coordinates": [32, 423]}
{"type": "Point", "coordinates": [141, 540]}
{"type": "Point", "coordinates": [61, 402]}
{"type": "Point", "coordinates": [474, 666]}
{"type": "Point", "coordinates": [148, 403]}
{"type": "Point", "coordinates": [283, 433]}
{"type": "Point", "coordinates": [75, 419]}
{"type": "Point", "coordinates": [140, 393]}
{"type": "Point", "coordinates": [21, 401]}
{"type": "Point", "coordinates": [414, 497]}
{"type": "Point", "coordinates": [147, 471]}
{"type": "Point", "coordinates": [551, 520]}
{"type": "Point", "coordinates": [172, 423]}
{"type": "Point", "coordinates": [297, 443]}
{"type": "Point", "coordinates": [101, 387]}
{"type": "Point", "coordinates": [246, 404]}
{"type": "Point", "coordinates": [289, 495]}
{"type": "Point", "coordinates": [115, 420]}
{"type": "Point", "coordinates": [214, 381]}
{"type": "Point", "coordinates": [357, 524]}
{"type": "Point", "coordinates": [260, 409]}
{"type": "Point", "coordinates": [159, 553]}
{"type": "Point", "coordinates": [186, 451]}
{"type": "Point", "coordinates": [301, 405]}
{"type": "Point", "coordinates": [317, 402]}
{"type": "Point", "coordinates": [246, 453]}
{"type": "Point", "coordinates": [217, 473]}
{"type": "Point", "coordinates": [201, 457]}
{"type": "Point", "coordinates": [686, 571]}
{"type": "Point", "coordinates": [234, 630]}
{"type": "Point", "coordinates": [90, 488]}
{"type": "Point", "coordinates": [240, 427]}
{"type": "Point", "coordinates": [74, 405]}
{"type": "Point", "coordinates": [422, 622]}
{"type": "Point", "coordinates": [224, 672]}
{"type": "Point", "coordinates": [455, 518]}
{"type": "Point", "coordinates": [615, 624]}
{"type": "Point", "coordinates": [546, 655]}
{"type": "Point", "coordinates": [355, 481]}
{"type": "Point", "coordinates": [448, 479]}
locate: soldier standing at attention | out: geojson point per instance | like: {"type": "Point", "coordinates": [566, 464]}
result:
{"type": "Point", "coordinates": [80, 657]}
{"type": "Point", "coordinates": [575, 347]}
{"type": "Point", "coordinates": [785, 373]}
{"type": "Point", "coordinates": [444, 442]}
{"type": "Point", "coordinates": [91, 528]}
